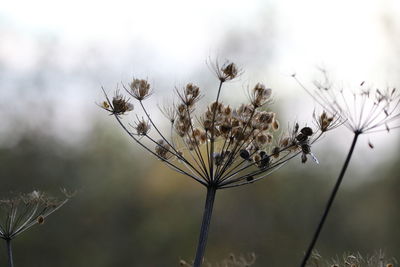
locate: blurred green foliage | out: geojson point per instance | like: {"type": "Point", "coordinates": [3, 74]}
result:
{"type": "Point", "coordinates": [131, 210]}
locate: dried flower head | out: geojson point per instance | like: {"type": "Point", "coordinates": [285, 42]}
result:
{"type": "Point", "coordinates": [363, 110]}
{"type": "Point", "coordinates": [142, 126]}
{"type": "Point", "coordinates": [227, 72]}
{"type": "Point", "coordinates": [119, 104]}
{"type": "Point", "coordinates": [19, 213]}
{"type": "Point", "coordinates": [139, 89]}
{"type": "Point", "coordinates": [231, 261]}
{"type": "Point", "coordinates": [377, 259]}
{"type": "Point", "coordinates": [222, 146]}
{"type": "Point", "coordinates": [260, 95]}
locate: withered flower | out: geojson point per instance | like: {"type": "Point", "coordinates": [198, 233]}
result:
{"type": "Point", "coordinates": [19, 213]}
{"type": "Point", "coordinates": [139, 89]}
{"type": "Point", "coordinates": [222, 146]}
{"type": "Point", "coordinates": [260, 95]}
{"type": "Point", "coordinates": [363, 111]}
{"type": "Point", "coordinates": [142, 127]}
{"type": "Point", "coordinates": [119, 104]}
{"type": "Point", "coordinates": [227, 72]}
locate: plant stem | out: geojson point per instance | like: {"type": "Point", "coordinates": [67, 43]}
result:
{"type": "Point", "coordinates": [205, 225]}
{"type": "Point", "coordinates": [330, 201]}
{"type": "Point", "coordinates": [9, 252]}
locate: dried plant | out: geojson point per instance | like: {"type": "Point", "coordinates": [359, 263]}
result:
{"type": "Point", "coordinates": [362, 111]}
{"type": "Point", "coordinates": [221, 147]}
{"type": "Point", "coordinates": [20, 213]}
{"type": "Point", "coordinates": [231, 261]}
{"type": "Point", "coordinates": [377, 259]}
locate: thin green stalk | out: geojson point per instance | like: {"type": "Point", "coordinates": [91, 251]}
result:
{"type": "Point", "coordinates": [330, 201]}
{"type": "Point", "coordinates": [9, 253]}
{"type": "Point", "coordinates": [205, 225]}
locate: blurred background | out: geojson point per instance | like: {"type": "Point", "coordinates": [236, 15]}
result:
{"type": "Point", "coordinates": [130, 210]}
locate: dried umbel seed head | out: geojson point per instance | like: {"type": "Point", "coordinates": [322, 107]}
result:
{"type": "Point", "coordinates": [221, 145]}
{"type": "Point", "coordinates": [192, 90]}
{"type": "Point", "coordinates": [163, 150]}
{"type": "Point", "coordinates": [361, 109]}
{"type": "Point", "coordinates": [228, 71]}
{"type": "Point", "coordinates": [227, 111]}
{"type": "Point", "coordinates": [326, 122]}
{"type": "Point", "coordinates": [139, 89]}
{"type": "Point", "coordinates": [19, 213]}
{"type": "Point", "coordinates": [260, 95]}
{"type": "Point", "coordinates": [142, 127]}
{"type": "Point", "coordinates": [119, 105]}
{"type": "Point", "coordinates": [265, 117]}
{"type": "Point", "coordinates": [189, 95]}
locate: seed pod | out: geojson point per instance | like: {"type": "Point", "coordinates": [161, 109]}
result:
{"type": "Point", "coordinates": [40, 220]}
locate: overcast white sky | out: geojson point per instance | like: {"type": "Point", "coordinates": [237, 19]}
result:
{"type": "Point", "coordinates": [347, 36]}
{"type": "Point", "coordinates": [351, 38]}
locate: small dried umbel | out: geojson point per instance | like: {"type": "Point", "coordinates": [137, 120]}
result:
{"type": "Point", "coordinates": [20, 213]}
{"type": "Point", "coordinates": [139, 89]}
{"type": "Point", "coordinates": [227, 72]}
{"type": "Point", "coordinates": [363, 110]}
{"type": "Point", "coordinates": [142, 127]}
{"type": "Point", "coordinates": [119, 104]}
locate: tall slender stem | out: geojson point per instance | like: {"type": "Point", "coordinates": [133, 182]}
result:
{"type": "Point", "coordinates": [205, 225]}
{"type": "Point", "coordinates": [9, 253]}
{"type": "Point", "coordinates": [330, 201]}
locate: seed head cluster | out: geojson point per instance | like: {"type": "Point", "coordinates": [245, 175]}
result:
{"type": "Point", "coordinates": [362, 110]}
{"type": "Point", "coordinates": [19, 213]}
{"type": "Point", "coordinates": [222, 146]}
